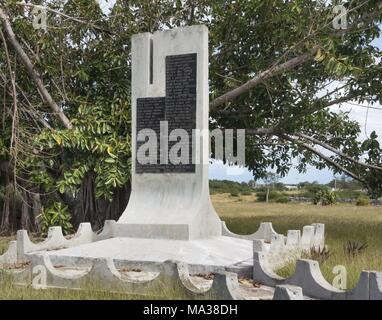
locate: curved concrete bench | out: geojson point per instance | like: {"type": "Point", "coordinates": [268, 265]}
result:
{"type": "Point", "coordinates": [56, 240]}
{"type": "Point", "coordinates": [103, 275]}
{"type": "Point", "coordinates": [312, 236]}
{"type": "Point", "coordinates": [308, 276]}
{"type": "Point", "coordinates": [264, 232]}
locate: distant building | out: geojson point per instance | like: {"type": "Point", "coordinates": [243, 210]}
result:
{"type": "Point", "coordinates": [291, 186]}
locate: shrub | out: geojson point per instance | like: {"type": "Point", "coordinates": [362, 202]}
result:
{"type": "Point", "coordinates": [325, 197]}
{"type": "Point", "coordinates": [310, 190]}
{"type": "Point", "coordinates": [246, 193]}
{"type": "Point", "coordinates": [363, 201]}
{"type": "Point", "coordinates": [57, 215]}
{"type": "Point", "coordinates": [353, 248]}
{"type": "Point", "coordinates": [282, 199]}
{"type": "Point", "coordinates": [320, 254]}
{"type": "Point", "coordinates": [273, 196]}
{"type": "Point", "coordinates": [348, 194]}
{"type": "Point", "coordinates": [226, 186]}
{"type": "Point", "coordinates": [234, 194]}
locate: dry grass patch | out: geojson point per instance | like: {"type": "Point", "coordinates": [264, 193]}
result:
{"type": "Point", "coordinates": [343, 223]}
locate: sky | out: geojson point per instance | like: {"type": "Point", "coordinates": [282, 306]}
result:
{"type": "Point", "coordinates": [370, 120]}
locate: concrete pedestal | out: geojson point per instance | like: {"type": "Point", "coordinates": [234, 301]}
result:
{"type": "Point", "coordinates": [215, 254]}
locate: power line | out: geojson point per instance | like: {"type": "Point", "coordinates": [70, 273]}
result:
{"type": "Point", "coordinates": [362, 106]}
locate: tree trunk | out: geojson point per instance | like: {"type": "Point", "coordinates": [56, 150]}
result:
{"type": "Point", "coordinates": [87, 208]}
{"type": "Point", "coordinates": [25, 211]}
{"type": "Point", "coordinates": [5, 227]}
{"type": "Point", "coordinates": [36, 210]}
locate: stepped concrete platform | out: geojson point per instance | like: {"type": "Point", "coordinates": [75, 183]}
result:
{"type": "Point", "coordinates": [211, 254]}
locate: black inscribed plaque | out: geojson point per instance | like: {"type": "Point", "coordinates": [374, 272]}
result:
{"type": "Point", "coordinates": [178, 107]}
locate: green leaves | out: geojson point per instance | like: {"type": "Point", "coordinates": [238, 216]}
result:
{"type": "Point", "coordinates": [320, 56]}
{"type": "Point", "coordinates": [111, 173]}
{"type": "Point", "coordinates": [73, 178]}
{"type": "Point", "coordinates": [325, 197]}
{"type": "Point", "coordinates": [56, 215]}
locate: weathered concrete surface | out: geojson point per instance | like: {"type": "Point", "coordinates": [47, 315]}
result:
{"type": "Point", "coordinates": [215, 253]}
{"type": "Point", "coordinates": [265, 232]}
{"type": "Point", "coordinates": [9, 256]}
{"type": "Point", "coordinates": [288, 292]}
{"type": "Point", "coordinates": [312, 237]}
{"type": "Point", "coordinates": [308, 276]}
{"type": "Point", "coordinates": [103, 274]}
{"type": "Point", "coordinates": [55, 240]}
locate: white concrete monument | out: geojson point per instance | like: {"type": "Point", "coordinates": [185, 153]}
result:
{"type": "Point", "coordinates": [170, 83]}
{"type": "Point", "coordinates": [169, 215]}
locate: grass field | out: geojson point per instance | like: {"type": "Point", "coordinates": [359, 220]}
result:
{"type": "Point", "coordinates": [342, 223]}
{"type": "Point", "coordinates": [243, 215]}
{"type": "Point", "coordinates": [9, 291]}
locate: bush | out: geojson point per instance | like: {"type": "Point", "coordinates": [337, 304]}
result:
{"type": "Point", "coordinates": [226, 186]}
{"type": "Point", "coordinates": [363, 201]}
{"type": "Point", "coordinates": [348, 194]}
{"type": "Point", "coordinates": [273, 196]}
{"type": "Point", "coordinates": [311, 189]}
{"type": "Point", "coordinates": [325, 197]}
{"type": "Point", "coordinates": [282, 199]}
{"type": "Point", "coordinates": [234, 194]}
{"type": "Point", "coordinates": [57, 215]}
{"type": "Point", "coordinates": [246, 193]}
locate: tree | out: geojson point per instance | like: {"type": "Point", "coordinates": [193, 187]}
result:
{"type": "Point", "coordinates": [272, 83]}
{"type": "Point", "coordinates": [270, 180]}
{"type": "Point", "coordinates": [276, 67]}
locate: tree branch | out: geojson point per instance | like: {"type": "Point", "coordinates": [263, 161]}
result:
{"type": "Point", "coordinates": [336, 151]}
{"type": "Point", "coordinates": [271, 72]}
{"type": "Point", "coordinates": [33, 73]}
{"type": "Point", "coordinates": [262, 131]}
{"type": "Point", "coordinates": [322, 156]}
{"type": "Point", "coordinates": [277, 132]}
{"type": "Point", "coordinates": [279, 68]}
{"type": "Point", "coordinates": [27, 108]}
{"type": "Point", "coordinates": [13, 84]}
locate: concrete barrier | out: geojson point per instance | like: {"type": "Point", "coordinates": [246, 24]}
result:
{"type": "Point", "coordinates": [308, 276]}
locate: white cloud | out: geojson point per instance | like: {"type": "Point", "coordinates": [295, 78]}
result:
{"type": "Point", "coordinates": [370, 119]}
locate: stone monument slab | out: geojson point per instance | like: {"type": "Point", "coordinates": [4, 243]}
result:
{"type": "Point", "coordinates": [170, 83]}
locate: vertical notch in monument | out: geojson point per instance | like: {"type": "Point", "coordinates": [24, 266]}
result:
{"type": "Point", "coordinates": [151, 61]}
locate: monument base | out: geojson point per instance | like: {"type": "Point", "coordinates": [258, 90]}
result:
{"type": "Point", "coordinates": [215, 254]}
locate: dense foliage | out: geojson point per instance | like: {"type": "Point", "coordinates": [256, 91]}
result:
{"type": "Point", "coordinates": [55, 215]}
{"type": "Point", "coordinates": [226, 186]}
{"type": "Point", "coordinates": [325, 197]}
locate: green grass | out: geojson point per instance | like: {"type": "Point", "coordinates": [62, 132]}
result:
{"type": "Point", "coordinates": [10, 291]}
{"type": "Point", "coordinates": [342, 223]}
{"type": "Point", "coordinates": [4, 243]}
